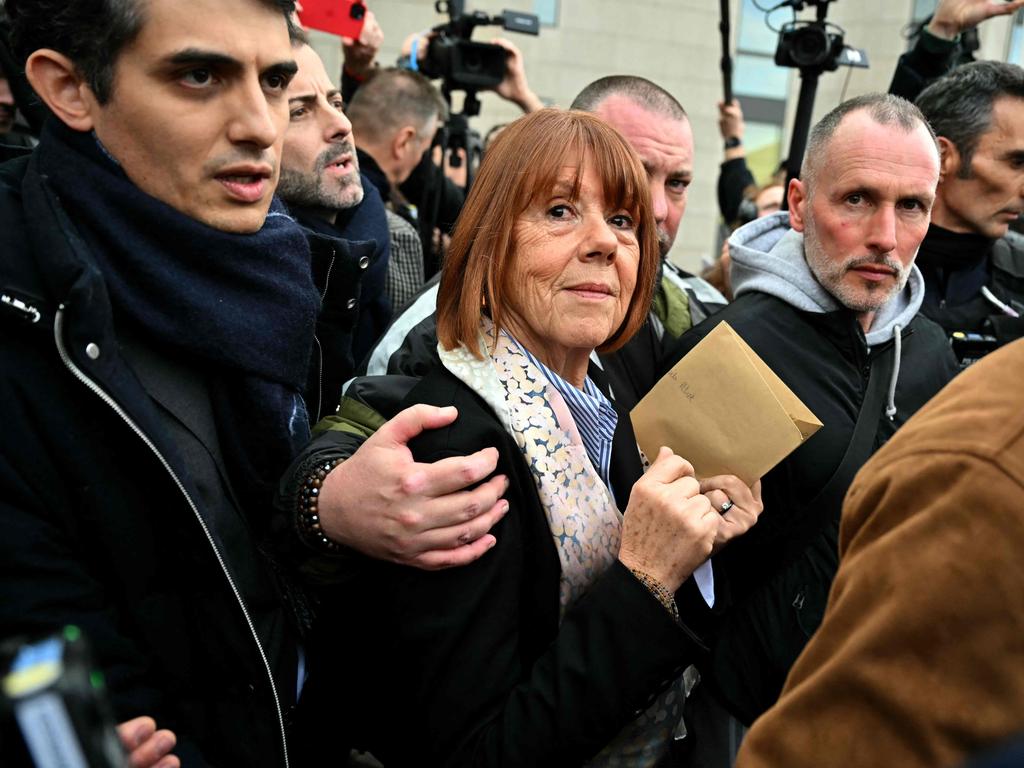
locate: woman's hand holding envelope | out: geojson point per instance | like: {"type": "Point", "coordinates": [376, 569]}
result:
{"type": "Point", "coordinates": [669, 527]}
{"type": "Point", "coordinates": [739, 504]}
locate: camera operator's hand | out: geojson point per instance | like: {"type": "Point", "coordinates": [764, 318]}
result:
{"type": "Point", "coordinates": [455, 170]}
{"type": "Point", "coordinates": [954, 16]}
{"type": "Point", "coordinates": [515, 87]}
{"type": "Point", "coordinates": [146, 746]}
{"type": "Point", "coordinates": [359, 55]}
{"type": "Point", "coordinates": [422, 43]}
{"type": "Point", "coordinates": [731, 126]}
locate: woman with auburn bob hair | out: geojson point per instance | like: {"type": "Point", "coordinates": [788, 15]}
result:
{"type": "Point", "coordinates": [565, 643]}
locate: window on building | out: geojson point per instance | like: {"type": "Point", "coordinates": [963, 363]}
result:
{"type": "Point", "coordinates": [547, 12]}
{"type": "Point", "coordinates": [923, 8]}
{"type": "Point", "coordinates": [762, 89]}
{"type": "Point", "coordinates": [1016, 53]}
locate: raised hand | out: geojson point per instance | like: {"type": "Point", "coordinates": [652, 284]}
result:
{"type": "Point", "coordinates": [954, 16]}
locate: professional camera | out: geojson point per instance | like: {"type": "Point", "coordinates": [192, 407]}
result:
{"type": "Point", "coordinates": [816, 44]}
{"type": "Point", "coordinates": [808, 44]}
{"type": "Point", "coordinates": [466, 65]}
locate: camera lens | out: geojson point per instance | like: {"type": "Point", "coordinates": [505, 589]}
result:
{"type": "Point", "coordinates": [473, 62]}
{"type": "Point", "coordinates": [810, 46]}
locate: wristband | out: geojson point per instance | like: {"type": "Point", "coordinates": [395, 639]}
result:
{"type": "Point", "coordinates": [660, 591]}
{"type": "Point", "coordinates": [308, 512]}
{"type": "Point", "coordinates": [414, 63]}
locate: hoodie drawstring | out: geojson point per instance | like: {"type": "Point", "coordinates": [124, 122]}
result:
{"type": "Point", "coordinates": [897, 337]}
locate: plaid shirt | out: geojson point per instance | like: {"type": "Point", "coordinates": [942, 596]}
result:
{"type": "Point", "coordinates": [405, 269]}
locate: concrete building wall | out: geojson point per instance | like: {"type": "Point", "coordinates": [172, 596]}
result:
{"type": "Point", "coordinates": [675, 43]}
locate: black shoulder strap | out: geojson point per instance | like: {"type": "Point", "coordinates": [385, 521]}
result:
{"type": "Point", "coordinates": [862, 440]}
{"type": "Point", "coordinates": [816, 515]}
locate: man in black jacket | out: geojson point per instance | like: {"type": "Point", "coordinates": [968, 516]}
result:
{"type": "Point", "coordinates": [828, 296]}
{"type": "Point", "coordinates": [158, 314]}
{"type": "Point", "coordinates": [346, 225]}
{"type": "Point", "coordinates": [945, 40]}
{"type": "Point", "coordinates": [394, 115]}
{"type": "Point", "coordinates": [973, 265]}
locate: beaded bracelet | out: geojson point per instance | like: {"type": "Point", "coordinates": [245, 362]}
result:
{"type": "Point", "coordinates": [308, 517]}
{"type": "Point", "coordinates": [660, 591]}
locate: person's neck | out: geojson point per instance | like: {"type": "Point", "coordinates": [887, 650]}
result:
{"type": "Point", "coordinates": [943, 217]}
{"type": "Point", "coordinates": [329, 215]}
{"type": "Point", "coordinates": [866, 319]}
{"type": "Point", "coordinates": [568, 362]}
{"type": "Point", "coordinates": [388, 169]}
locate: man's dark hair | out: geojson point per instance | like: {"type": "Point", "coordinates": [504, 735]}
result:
{"type": "Point", "coordinates": [651, 97]}
{"type": "Point", "coordinates": [392, 98]}
{"type": "Point", "coordinates": [92, 33]}
{"type": "Point", "coordinates": [959, 105]}
{"type": "Point", "coordinates": [884, 109]}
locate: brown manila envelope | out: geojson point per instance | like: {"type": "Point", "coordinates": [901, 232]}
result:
{"type": "Point", "coordinates": [724, 410]}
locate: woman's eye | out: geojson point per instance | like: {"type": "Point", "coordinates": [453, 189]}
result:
{"type": "Point", "coordinates": [622, 221]}
{"type": "Point", "coordinates": [559, 212]}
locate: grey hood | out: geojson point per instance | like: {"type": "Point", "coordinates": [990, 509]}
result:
{"type": "Point", "coordinates": [768, 257]}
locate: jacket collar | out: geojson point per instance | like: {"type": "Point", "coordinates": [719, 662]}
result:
{"type": "Point", "coordinates": [373, 173]}
{"type": "Point", "coordinates": [326, 242]}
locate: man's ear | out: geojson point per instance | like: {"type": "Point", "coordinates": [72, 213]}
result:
{"type": "Point", "coordinates": [949, 159]}
{"type": "Point", "coordinates": [400, 143]}
{"type": "Point", "coordinates": [797, 198]}
{"type": "Point", "coordinates": [57, 82]}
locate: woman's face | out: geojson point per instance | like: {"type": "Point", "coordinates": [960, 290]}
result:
{"type": "Point", "coordinates": [573, 273]}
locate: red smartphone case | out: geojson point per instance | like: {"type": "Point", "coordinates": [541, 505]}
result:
{"type": "Point", "coordinates": [339, 17]}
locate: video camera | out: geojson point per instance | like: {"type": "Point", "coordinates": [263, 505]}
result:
{"type": "Point", "coordinates": [815, 44]}
{"type": "Point", "coordinates": [462, 65]}
{"type": "Point", "coordinates": [466, 65]}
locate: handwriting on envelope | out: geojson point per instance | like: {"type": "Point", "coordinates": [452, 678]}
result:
{"type": "Point", "coordinates": [724, 410]}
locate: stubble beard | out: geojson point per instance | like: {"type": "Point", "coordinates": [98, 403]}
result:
{"type": "Point", "coordinates": [317, 189]}
{"type": "Point", "coordinates": [862, 296]}
{"type": "Point", "coordinates": [665, 241]}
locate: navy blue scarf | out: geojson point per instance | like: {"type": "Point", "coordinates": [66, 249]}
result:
{"type": "Point", "coordinates": [242, 307]}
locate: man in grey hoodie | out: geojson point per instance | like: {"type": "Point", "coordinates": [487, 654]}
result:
{"type": "Point", "coordinates": [828, 295]}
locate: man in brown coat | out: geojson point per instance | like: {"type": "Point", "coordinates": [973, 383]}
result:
{"type": "Point", "coordinates": [920, 658]}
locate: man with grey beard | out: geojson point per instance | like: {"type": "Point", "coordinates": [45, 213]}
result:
{"type": "Point", "coordinates": [827, 294]}
{"type": "Point", "coordinates": [347, 227]}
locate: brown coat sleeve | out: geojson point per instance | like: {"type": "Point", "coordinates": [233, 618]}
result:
{"type": "Point", "coordinates": [920, 658]}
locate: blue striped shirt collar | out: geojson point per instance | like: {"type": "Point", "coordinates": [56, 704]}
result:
{"type": "Point", "coordinates": [595, 416]}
